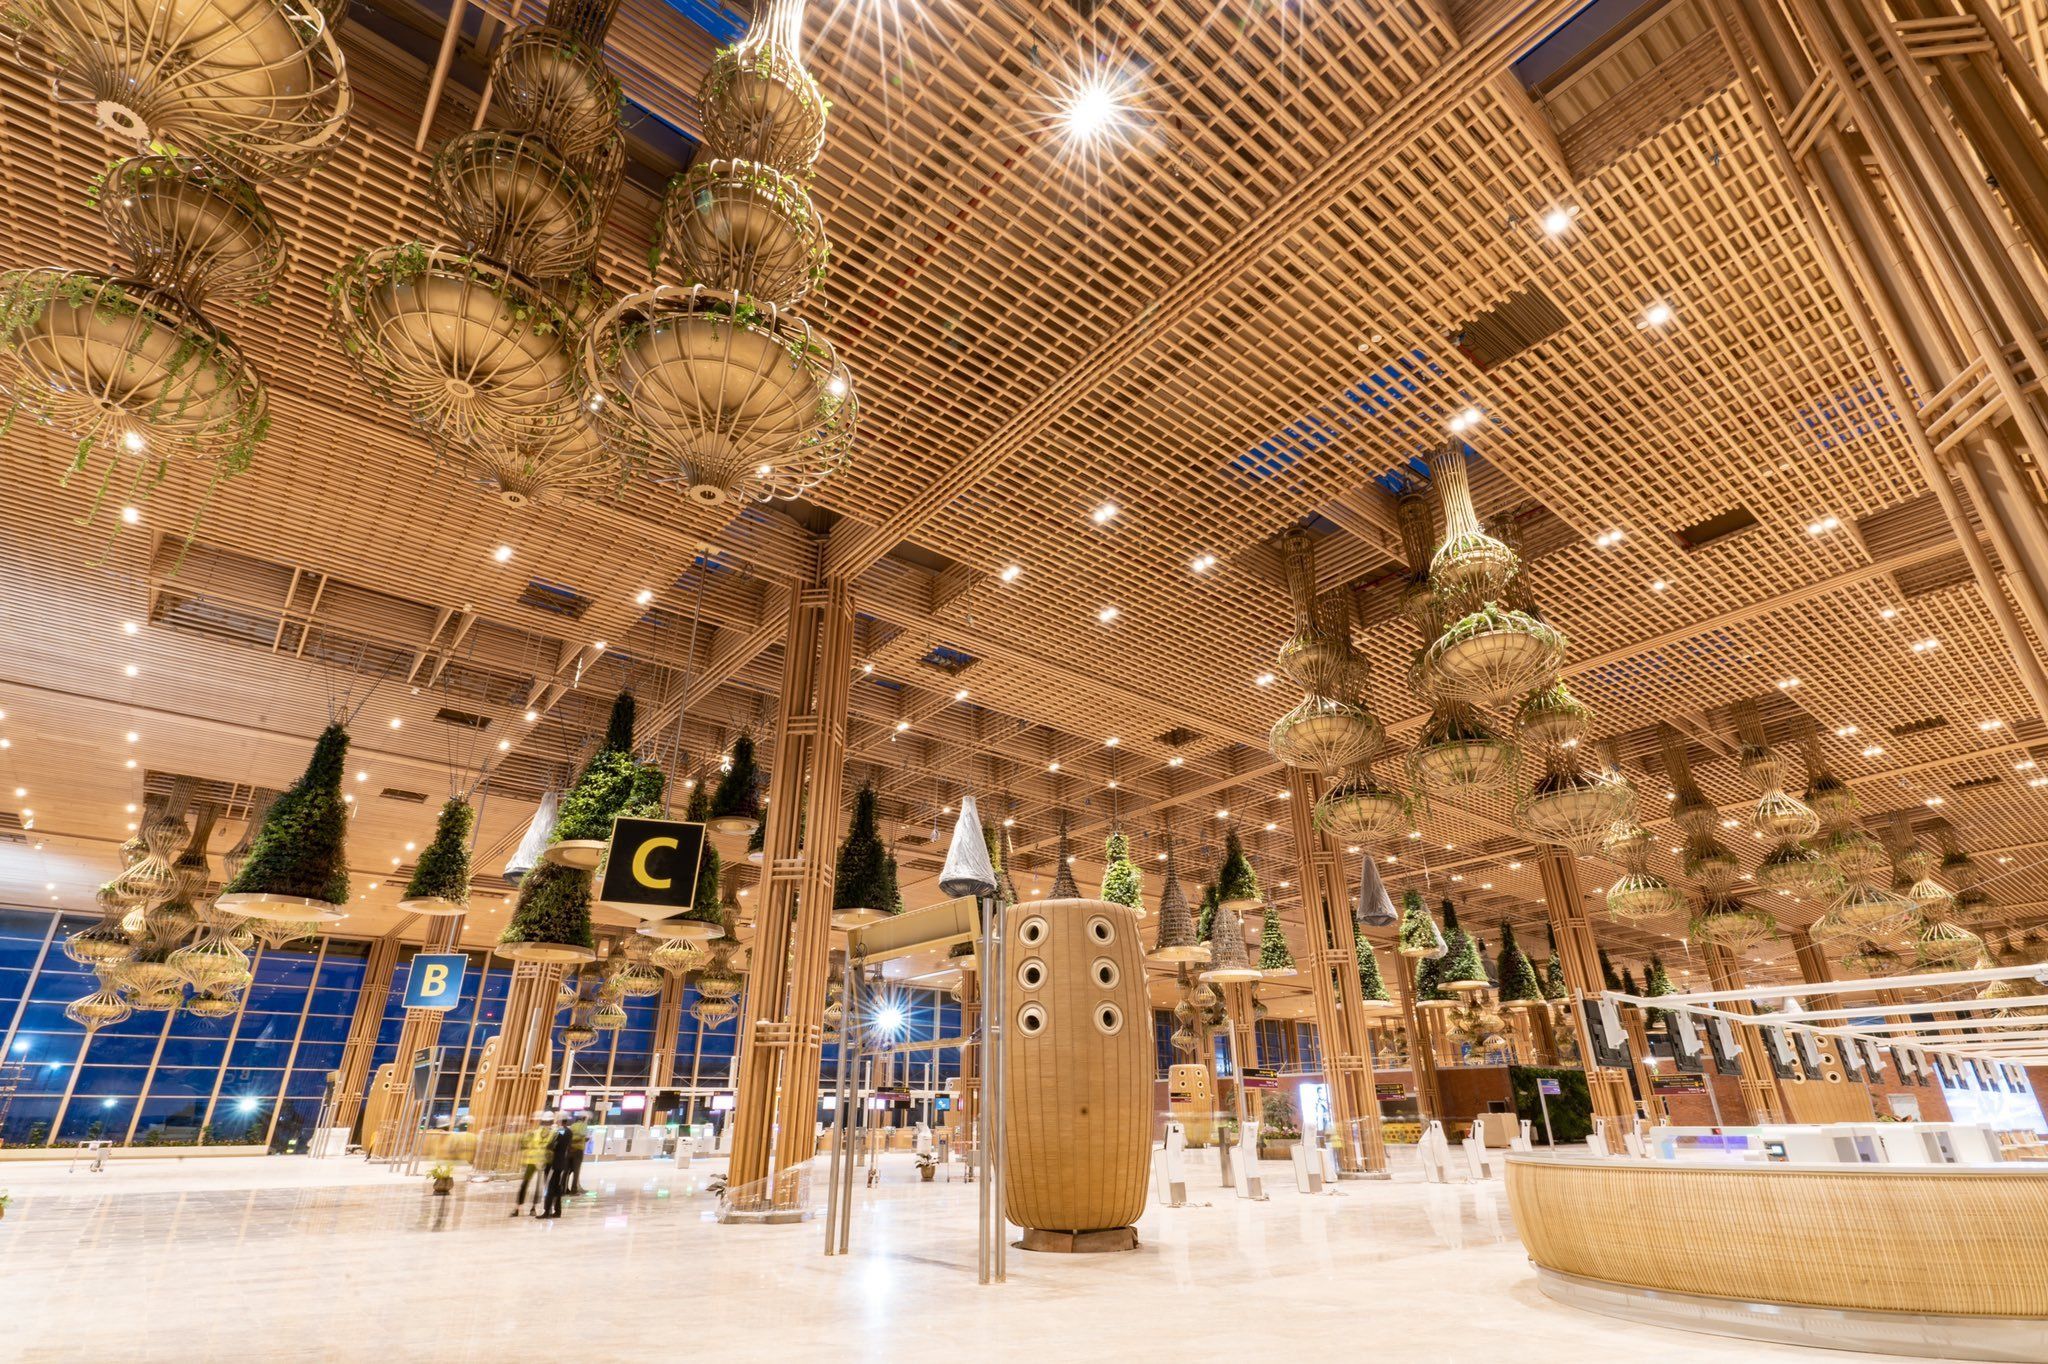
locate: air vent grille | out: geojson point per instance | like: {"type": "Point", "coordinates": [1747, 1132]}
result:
{"type": "Point", "coordinates": [1509, 328]}
{"type": "Point", "coordinates": [462, 718]}
{"type": "Point", "coordinates": [407, 797]}
{"type": "Point", "coordinates": [555, 599]}
{"type": "Point", "coordinates": [1715, 529]}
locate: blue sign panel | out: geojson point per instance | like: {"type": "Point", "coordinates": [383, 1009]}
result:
{"type": "Point", "coordinates": [435, 981]}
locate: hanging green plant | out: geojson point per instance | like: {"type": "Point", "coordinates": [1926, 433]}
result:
{"type": "Point", "coordinates": [1458, 749]}
{"type": "Point", "coordinates": [1461, 967]}
{"type": "Point", "coordinates": [551, 918]}
{"type": "Point", "coordinates": [297, 866]}
{"type": "Point", "coordinates": [440, 879]}
{"type": "Point", "coordinates": [1237, 885]}
{"type": "Point", "coordinates": [894, 904]}
{"type": "Point", "coordinates": [1370, 983]}
{"type": "Point", "coordinates": [704, 904]}
{"type": "Point", "coordinates": [861, 882]}
{"type": "Point", "coordinates": [1429, 982]}
{"type": "Point", "coordinates": [1419, 936]}
{"type": "Point", "coordinates": [1122, 883]}
{"type": "Point", "coordinates": [646, 795]}
{"type": "Point", "coordinates": [736, 805]}
{"type": "Point", "coordinates": [1518, 981]}
{"type": "Point", "coordinates": [1205, 913]}
{"type": "Point", "coordinates": [1274, 957]}
{"type": "Point", "coordinates": [600, 792]}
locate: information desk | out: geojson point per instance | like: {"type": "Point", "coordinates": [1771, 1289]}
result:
{"type": "Point", "coordinates": [1921, 1260]}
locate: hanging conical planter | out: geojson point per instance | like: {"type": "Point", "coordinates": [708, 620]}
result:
{"type": "Point", "coordinates": [1177, 941]}
{"type": "Point", "coordinates": [1729, 923]}
{"type": "Point", "coordinates": [1372, 908]}
{"type": "Point", "coordinates": [256, 87]}
{"type": "Point", "coordinates": [1864, 909]}
{"type": "Point", "coordinates": [736, 804]}
{"type": "Point", "coordinates": [1458, 749]}
{"type": "Point", "coordinates": [212, 1003]}
{"type": "Point", "coordinates": [1468, 564]}
{"type": "Point", "coordinates": [440, 879]}
{"type": "Point", "coordinates": [1371, 984]}
{"type": "Point", "coordinates": [1461, 970]}
{"type": "Point", "coordinates": [1420, 939]}
{"type": "Point", "coordinates": [861, 894]}
{"type": "Point", "coordinates": [298, 864]}
{"type": "Point", "coordinates": [1941, 944]}
{"type": "Point", "coordinates": [105, 942]}
{"type": "Point", "coordinates": [730, 224]}
{"type": "Point", "coordinates": [1276, 961]}
{"type": "Point", "coordinates": [551, 918]}
{"type": "Point", "coordinates": [539, 831]}
{"type": "Point", "coordinates": [1237, 885]}
{"type": "Point", "coordinates": [1318, 657]}
{"type": "Point", "coordinates": [1326, 734]}
{"type": "Point", "coordinates": [1794, 865]}
{"type": "Point", "coordinates": [515, 200]}
{"type": "Point", "coordinates": [549, 78]}
{"type": "Point", "coordinates": [1551, 718]}
{"type": "Point", "coordinates": [1360, 809]}
{"type": "Point", "coordinates": [1063, 884]}
{"type": "Point", "coordinates": [103, 1008]}
{"type": "Point", "coordinates": [190, 231]}
{"type": "Point", "coordinates": [1122, 882]}
{"type": "Point", "coordinates": [600, 793]}
{"type": "Point", "coordinates": [1228, 960]}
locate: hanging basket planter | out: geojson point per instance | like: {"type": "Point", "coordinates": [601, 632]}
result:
{"type": "Point", "coordinates": [475, 355]}
{"type": "Point", "coordinates": [743, 227]}
{"type": "Point", "coordinates": [1712, 864]}
{"type": "Point", "coordinates": [1551, 718]}
{"type": "Point", "coordinates": [1794, 865]}
{"type": "Point", "coordinates": [513, 199]}
{"type": "Point", "coordinates": [1873, 959]}
{"type": "Point", "coordinates": [1868, 910]}
{"type": "Point", "coordinates": [127, 369]}
{"type": "Point", "coordinates": [1327, 735]}
{"type": "Point", "coordinates": [209, 1005]}
{"type": "Point", "coordinates": [1731, 924]}
{"type": "Point", "coordinates": [1779, 815]}
{"type": "Point", "coordinates": [1493, 653]}
{"type": "Point", "coordinates": [189, 231]}
{"type": "Point", "coordinates": [1574, 810]}
{"type": "Point", "coordinates": [257, 87]}
{"type": "Point", "coordinates": [576, 460]}
{"type": "Point", "coordinates": [1942, 944]}
{"type": "Point", "coordinates": [758, 103]}
{"type": "Point", "coordinates": [1643, 895]}
{"type": "Point", "coordinates": [734, 399]}
{"type": "Point", "coordinates": [1470, 563]}
{"type": "Point", "coordinates": [551, 82]}
{"type": "Point", "coordinates": [103, 1008]}
{"type": "Point", "coordinates": [1459, 749]}
{"type": "Point", "coordinates": [1855, 854]}
{"type": "Point", "coordinates": [1361, 809]}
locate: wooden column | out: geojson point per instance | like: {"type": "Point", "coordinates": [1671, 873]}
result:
{"type": "Point", "coordinates": [1824, 1100]}
{"type": "Point", "coordinates": [668, 1028]}
{"type": "Point", "coordinates": [1429, 1094]}
{"type": "Point", "coordinates": [363, 1027]}
{"type": "Point", "coordinates": [1330, 961]}
{"type": "Point", "coordinates": [1760, 1092]}
{"type": "Point", "coordinates": [775, 1117]}
{"type": "Point", "coordinates": [1579, 952]}
{"type": "Point", "coordinates": [422, 1027]}
{"type": "Point", "coordinates": [519, 1068]}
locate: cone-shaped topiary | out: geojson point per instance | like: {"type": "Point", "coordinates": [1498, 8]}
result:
{"type": "Point", "coordinates": [1628, 983]}
{"type": "Point", "coordinates": [647, 796]}
{"type": "Point", "coordinates": [1273, 953]}
{"type": "Point", "coordinates": [1205, 913]}
{"type": "Point", "coordinates": [1063, 886]}
{"type": "Point", "coordinates": [1608, 978]}
{"type": "Point", "coordinates": [1461, 964]}
{"type": "Point", "coordinates": [1554, 986]}
{"type": "Point", "coordinates": [1657, 981]}
{"type": "Point", "coordinates": [1419, 936]}
{"type": "Point", "coordinates": [704, 906]}
{"type": "Point", "coordinates": [1370, 983]}
{"type": "Point", "coordinates": [553, 911]}
{"type": "Point", "coordinates": [302, 849]}
{"type": "Point", "coordinates": [605, 785]}
{"type": "Point", "coordinates": [1237, 885]}
{"type": "Point", "coordinates": [699, 808]}
{"type": "Point", "coordinates": [895, 902]}
{"type": "Point", "coordinates": [862, 879]}
{"type": "Point", "coordinates": [1122, 884]}
{"type": "Point", "coordinates": [1004, 854]}
{"type": "Point", "coordinates": [1429, 981]}
{"type": "Point", "coordinates": [1518, 980]}
{"type": "Point", "coordinates": [738, 797]}
{"type": "Point", "coordinates": [442, 873]}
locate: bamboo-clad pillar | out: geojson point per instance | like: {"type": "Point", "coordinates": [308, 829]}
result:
{"type": "Point", "coordinates": [361, 1045]}
{"type": "Point", "coordinates": [668, 1030]}
{"type": "Point", "coordinates": [1330, 960]}
{"type": "Point", "coordinates": [1760, 1092]}
{"type": "Point", "coordinates": [519, 1074]}
{"type": "Point", "coordinates": [1580, 955]}
{"type": "Point", "coordinates": [777, 1082]}
{"type": "Point", "coordinates": [422, 1027]}
{"type": "Point", "coordinates": [1940, 275]}
{"type": "Point", "coordinates": [1429, 1094]}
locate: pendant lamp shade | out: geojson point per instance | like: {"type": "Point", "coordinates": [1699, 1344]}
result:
{"type": "Point", "coordinates": [1228, 959]}
{"type": "Point", "coordinates": [968, 869]}
{"type": "Point", "coordinates": [1063, 885]}
{"type": "Point", "coordinates": [527, 854]}
{"type": "Point", "coordinates": [1374, 907]}
{"type": "Point", "coordinates": [1177, 939]}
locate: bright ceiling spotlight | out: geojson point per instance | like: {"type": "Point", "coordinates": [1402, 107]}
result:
{"type": "Point", "coordinates": [1093, 111]}
{"type": "Point", "coordinates": [1557, 222]}
{"type": "Point", "coordinates": [1657, 314]}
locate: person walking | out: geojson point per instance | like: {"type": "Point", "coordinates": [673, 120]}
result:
{"type": "Point", "coordinates": [533, 1161]}
{"type": "Point", "coordinates": [559, 1143]}
{"type": "Point", "coordinates": [579, 1137]}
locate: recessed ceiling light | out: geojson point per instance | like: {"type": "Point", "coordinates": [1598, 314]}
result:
{"type": "Point", "coordinates": [1933, 800]}
{"type": "Point", "coordinates": [1873, 752]}
{"type": "Point", "coordinates": [1223, 814]}
{"type": "Point", "coordinates": [902, 725]}
{"type": "Point", "coordinates": [133, 737]}
{"type": "Point", "coordinates": [1787, 683]}
{"type": "Point", "coordinates": [397, 722]}
{"type": "Point", "coordinates": [1285, 794]}
{"type": "Point", "coordinates": [408, 847]}
{"type": "Point", "coordinates": [1486, 885]}
{"type": "Point", "coordinates": [1111, 783]}
{"type": "Point", "coordinates": [1009, 823]}
{"type": "Point", "coordinates": [1657, 314]}
{"type": "Point", "coordinates": [1887, 614]}
{"type": "Point", "coordinates": [867, 667]}
{"type": "Point", "coordinates": [1011, 574]}
{"type": "Point", "coordinates": [1988, 725]}
{"type": "Point", "coordinates": [598, 645]}
{"type": "Point", "coordinates": [129, 516]}
{"type": "Point", "coordinates": [1514, 866]}
{"type": "Point", "coordinates": [1466, 420]}
{"type": "Point", "coordinates": [131, 762]}
{"type": "Point", "coordinates": [1052, 767]}
{"type": "Point", "coordinates": [2037, 781]}
{"type": "Point", "coordinates": [1926, 646]}
{"type": "Point", "coordinates": [2023, 765]}
{"type": "Point", "coordinates": [1092, 111]}
{"type": "Point", "coordinates": [1202, 563]}
{"type": "Point", "coordinates": [1824, 525]}
{"type": "Point", "coordinates": [1557, 222]}
{"type": "Point", "coordinates": [1107, 614]}
{"type": "Point", "coordinates": [1175, 761]}
{"type": "Point", "coordinates": [503, 554]}
{"type": "Point", "coordinates": [1659, 585]}
{"type": "Point", "coordinates": [1104, 514]}
{"type": "Point", "coordinates": [1607, 539]}
{"type": "Point", "coordinates": [129, 627]}
{"type": "Point", "coordinates": [504, 745]}
{"type": "Point", "coordinates": [960, 695]}
{"type": "Point", "coordinates": [1845, 731]}
{"type": "Point", "coordinates": [643, 597]}
{"type": "Point", "coordinates": [1263, 680]}
{"type": "Point", "coordinates": [132, 670]}
{"type": "Point", "coordinates": [1270, 827]}
{"type": "Point", "coordinates": [531, 716]}
{"type": "Point", "coordinates": [1415, 833]}
{"type": "Point", "coordinates": [1111, 742]}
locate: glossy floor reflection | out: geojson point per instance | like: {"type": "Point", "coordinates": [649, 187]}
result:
{"type": "Point", "coordinates": [297, 1259]}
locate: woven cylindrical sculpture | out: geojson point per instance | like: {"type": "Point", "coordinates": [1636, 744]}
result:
{"type": "Point", "coordinates": [1077, 1105]}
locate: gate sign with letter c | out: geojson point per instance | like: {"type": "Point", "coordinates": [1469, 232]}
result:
{"type": "Point", "coordinates": [652, 865]}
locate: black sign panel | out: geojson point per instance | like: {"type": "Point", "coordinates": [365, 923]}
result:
{"type": "Point", "coordinates": [1726, 1062]}
{"type": "Point", "coordinates": [1610, 1046]}
{"type": "Point", "coordinates": [653, 863]}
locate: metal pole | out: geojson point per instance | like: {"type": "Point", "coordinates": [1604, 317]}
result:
{"type": "Point", "coordinates": [982, 1134]}
{"type": "Point", "coordinates": [998, 1032]}
{"type": "Point", "coordinates": [846, 1026]}
{"type": "Point", "coordinates": [851, 1026]}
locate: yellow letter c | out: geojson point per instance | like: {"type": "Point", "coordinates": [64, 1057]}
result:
{"type": "Point", "coordinates": [640, 864]}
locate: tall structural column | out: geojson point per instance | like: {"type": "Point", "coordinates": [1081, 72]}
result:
{"type": "Point", "coordinates": [776, 1104]}
{"type": "Point", "coordinates": [1331, 963]}
{"type": "Point", "coordinates": [518, 1079]}
{"type": "Point", "coordinates": [361, 1044]}
{"type": "Point", "coordinates": [668, 1027]}
{"type": "Point", "coordinates": [1580, 954]}
{"type": "Point", "coordinates": [421, 1029]}
{"type": "Point", "coordinates": [1429, 1094]}
{"type": "Point", "coordinates": [1885, 121]}
{"type": "Point", "coordinates": [1760, 1092]}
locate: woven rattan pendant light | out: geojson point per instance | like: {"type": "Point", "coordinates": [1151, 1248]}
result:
{"type": "Point", "coordinates": [1330, 729]}
{"type": "Point", "coordinates": [1228, 959]}
{"type": "Point", "coordinates": [1177, 940]}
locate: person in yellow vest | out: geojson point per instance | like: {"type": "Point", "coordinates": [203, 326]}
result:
{"type": "Point", "coordinates": [533, 1160]}
{"type": "Point", "coordinates": [579, 1137]}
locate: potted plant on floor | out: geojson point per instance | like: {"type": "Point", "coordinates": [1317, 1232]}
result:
{"type": "Point", "coordinates": [1279, 1126]}
{"type": "Point", "coordinates": [443, 1177]}
{"type": "Point", "coordinates": [927, 1166]}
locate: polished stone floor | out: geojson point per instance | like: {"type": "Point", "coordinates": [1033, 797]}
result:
{"type": "Point", "coordinates": [285, 1258]}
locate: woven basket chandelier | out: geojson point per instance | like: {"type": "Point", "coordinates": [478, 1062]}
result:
{"type": "Point", "coordinates": [712, 377]}
{"type": "Point", "coordinates": [1487, 649]}
{"type": "Point", "coordinates": [1330, 730]}
{"type": "Point", "coordinates": [479, 342]}
{"type": "Point", "coordinates": [1638, 893]}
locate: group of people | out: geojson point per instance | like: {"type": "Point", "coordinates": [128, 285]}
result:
{"type": "Point", "coordinates": [552, 1161]}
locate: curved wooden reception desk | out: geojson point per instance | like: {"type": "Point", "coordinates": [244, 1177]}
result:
{"type": "Point", "coordinates": [1911, 1260]}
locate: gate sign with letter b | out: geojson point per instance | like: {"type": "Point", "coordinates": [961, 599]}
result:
{"type": "Point", "coordinates": [435, 981]}
{"type": "Point", "coordinates": [651, 867]}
